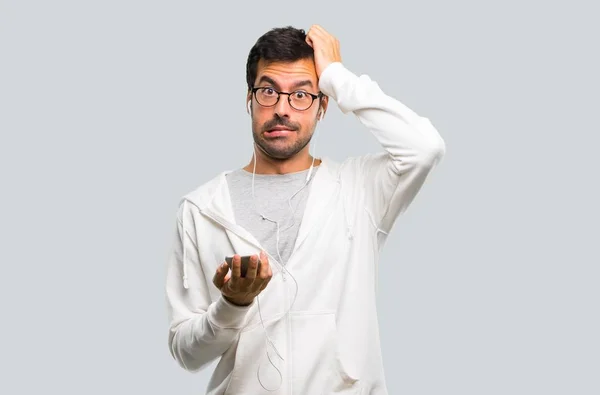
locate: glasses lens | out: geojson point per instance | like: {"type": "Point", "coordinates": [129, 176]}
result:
{"type": "Point", "coordinates": [266, 96]}
{"type": "Point", "coordinates": [300, 100]}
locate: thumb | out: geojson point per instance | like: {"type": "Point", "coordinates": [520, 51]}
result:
{"type": "Point", "coordinates": [221, 276]}
{"type": "Point", "coordinates": [309, 41]}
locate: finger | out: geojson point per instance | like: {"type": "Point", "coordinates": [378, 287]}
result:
{"type": "Point", "coordinates": [219, 277]}
{"type": "Point", "coordinates": [265, 271]}
{"type": "Point", "coordinates": [322, 32]}
{"type": "Point", "coordinates": [312, 39]}
{"type": "Point", "coordinates": [308, 40]}
{"type": "Point", "coordinates": [264, 265]}
{"type": "Point", "coordinates": [313, 34]}
{"type": "Point", "coordinates": [323, 36]}
{"type": "Point", "coordinates": [264, 283]}
{"type": "Point", "coordinates": [317, 28]}
{"type": "Point", "coordinates": [252, 268]}
{"type": "Point", "coordinates": [235, 273]}
{"type": "Point", "coordinates": [236, 269]}
{"type": "Point", "coordinates": [316, 32]}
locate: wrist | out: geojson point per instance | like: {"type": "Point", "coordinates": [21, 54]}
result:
{"type": "Point", "coordinates": [239, 303]}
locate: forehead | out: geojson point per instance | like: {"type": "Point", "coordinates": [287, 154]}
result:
{"type": "Point", "coordinates": [287, 74]}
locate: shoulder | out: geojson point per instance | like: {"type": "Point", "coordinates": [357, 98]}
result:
{"type": "Point", "coordinates": [202, 194]}
{"type": "Point", "coordinates": [354, 168]}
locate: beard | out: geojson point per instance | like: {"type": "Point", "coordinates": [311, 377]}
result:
{"type": "Point", "coordinates": [281, 148]}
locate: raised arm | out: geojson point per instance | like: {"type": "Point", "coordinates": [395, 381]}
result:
{"type": "Point", "coordinates": [411, 144]}
{"type": "Point", "coordinates": [390, 180]}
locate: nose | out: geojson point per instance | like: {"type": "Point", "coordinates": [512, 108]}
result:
{"type": "Point", "coordinates": [283, 108]}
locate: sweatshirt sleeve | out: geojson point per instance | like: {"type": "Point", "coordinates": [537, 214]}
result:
{"type": "Point", "coordinates": [202, 324]}
{"type": "Point", "coordinates": [412, 147]}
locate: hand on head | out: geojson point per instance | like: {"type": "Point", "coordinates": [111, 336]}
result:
{"type": "Point", "coordinates": [326, 48]}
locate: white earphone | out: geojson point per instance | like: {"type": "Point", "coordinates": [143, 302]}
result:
{"type": "Point", "coordinates": [283, 269]}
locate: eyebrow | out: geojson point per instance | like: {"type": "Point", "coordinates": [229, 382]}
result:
{"type": "Point", "coordinates": [298, 84]}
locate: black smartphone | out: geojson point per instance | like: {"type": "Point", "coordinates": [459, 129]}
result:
{"type": "Point", "coordinates": [245, 264]}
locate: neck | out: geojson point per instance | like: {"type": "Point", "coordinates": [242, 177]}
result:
{"type": "Point", "coordinates": [267, 165]}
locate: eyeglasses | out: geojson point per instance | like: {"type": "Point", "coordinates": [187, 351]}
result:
{"type": "Point", "coordinates": [300, 100]}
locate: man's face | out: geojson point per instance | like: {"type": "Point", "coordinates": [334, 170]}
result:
{"type": "Point", "coordinates": [281, 131]}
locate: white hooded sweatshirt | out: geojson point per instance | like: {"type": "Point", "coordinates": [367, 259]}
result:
{"type": "Point", "coordinates": [314, 329]}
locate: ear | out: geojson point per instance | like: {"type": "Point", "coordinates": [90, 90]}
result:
{"type": "Point", "coordinates": [249, 102]}
{"type": "Point", "coordinates": [323, 107]}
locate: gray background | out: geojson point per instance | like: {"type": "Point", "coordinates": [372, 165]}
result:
{"type": "Point", "coordinates": [489, 283]}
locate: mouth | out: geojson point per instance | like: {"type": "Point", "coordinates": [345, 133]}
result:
{"type": "Point", "coordinates": [278, 131]}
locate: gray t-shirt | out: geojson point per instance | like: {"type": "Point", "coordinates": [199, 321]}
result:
{"type": "Point", "coordinates": [273, 196]}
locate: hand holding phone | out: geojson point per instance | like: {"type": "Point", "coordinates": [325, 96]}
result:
{"type": "Point", "coordinates": [241, 279]}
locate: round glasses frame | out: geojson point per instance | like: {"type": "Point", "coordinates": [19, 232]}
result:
{"type": "Point", "coordinates": [289, 95]}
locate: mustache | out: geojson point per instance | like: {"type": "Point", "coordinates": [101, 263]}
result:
{"type": "Point", "coordinates": [280, 122]}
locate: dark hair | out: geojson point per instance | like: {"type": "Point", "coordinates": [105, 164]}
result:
{"type": "Point", "coordinates": [280, 44]}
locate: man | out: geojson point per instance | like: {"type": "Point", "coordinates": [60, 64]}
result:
{"type": "Point", "coordinates": [304, 321]}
